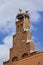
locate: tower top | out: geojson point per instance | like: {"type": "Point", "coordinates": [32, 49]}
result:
{"type": "Point", "coordinates": [23, 22]}
{"type": "Point", "coordinates": [21, 15]}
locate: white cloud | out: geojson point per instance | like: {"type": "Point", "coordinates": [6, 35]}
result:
{"type": "Point", "coordinates": [8, 41]}
{"type": "Point", "coordinates": [34, 16]}
{"type": "Point", "coordinates": [9, 9]}
{"type": "Point", "coordinates": [5, 49]}
{"type": "Point", "coordinates": [35, 4]}
{"type": "Point", "coordinates": [38, 4]}
{"type": "Point", "coordinates": [1, 63]}
{"type": "Point", "coordinates": [8, 27]}
{"type": "Point", "coordinates": [4, 53]}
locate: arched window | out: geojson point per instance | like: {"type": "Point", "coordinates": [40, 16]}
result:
{"type": "Point", "coordinates": [24, 55]}
{"type": "Point", "coordinates": [15, 59]}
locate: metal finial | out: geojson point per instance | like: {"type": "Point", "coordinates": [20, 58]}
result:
{"type": "Point", "coordinates": [20, 10]}
{"type": "Point", "coordinates": [26, 11]}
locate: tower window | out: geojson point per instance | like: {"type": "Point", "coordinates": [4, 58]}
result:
{"type": "Point", "coordinates": [21, 25]}
{"type": "Point", "coordinates": [15, 59]}
{"type": "Point", "coordinates": [24, 55]}
{"type": "Point", "coordinates": [18, 26]}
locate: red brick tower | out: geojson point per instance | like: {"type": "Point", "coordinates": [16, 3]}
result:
{"type": "Point", "coordinates": [22, 42]}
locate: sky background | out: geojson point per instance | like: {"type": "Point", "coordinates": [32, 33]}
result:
{"type": "Point", "coordinates": [8, 11]}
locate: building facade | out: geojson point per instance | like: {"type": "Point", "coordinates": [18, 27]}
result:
{"type": "Point", "coordinates": [23, 52]}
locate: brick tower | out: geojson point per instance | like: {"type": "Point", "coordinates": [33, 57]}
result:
{"type": "Point", "coordinates": [22, 42]}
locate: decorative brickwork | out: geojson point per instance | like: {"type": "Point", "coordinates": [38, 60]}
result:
{"type": "Point", "coordinates": [22, 43]}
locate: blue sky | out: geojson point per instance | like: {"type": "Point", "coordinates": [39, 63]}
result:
{"type": "Point", "coordinates": [39, 33]}
{"type": "Point", "coordinates": [8, 11]}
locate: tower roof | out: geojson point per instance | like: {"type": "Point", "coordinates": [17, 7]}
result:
{"type": "Point", "coordinates": [22, 15]}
